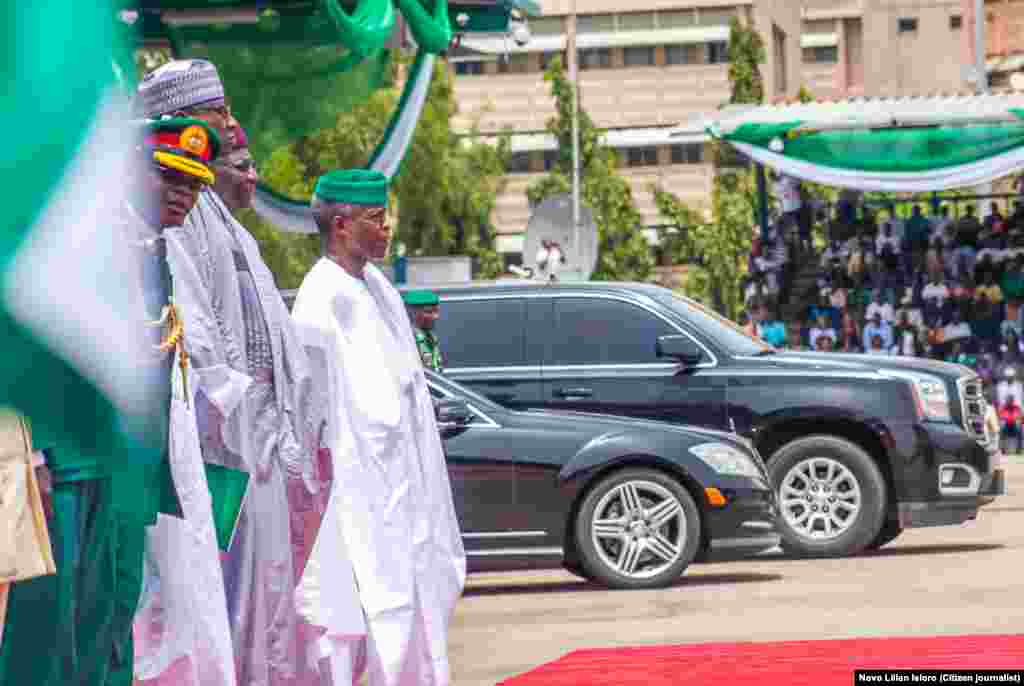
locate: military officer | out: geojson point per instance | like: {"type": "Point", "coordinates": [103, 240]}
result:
{"type": "Point", "coordinates": [424, 309]}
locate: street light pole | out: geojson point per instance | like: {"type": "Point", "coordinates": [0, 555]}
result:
{"type": "Point", "coordinates": [979, 45]}
{"type": "Point", "coordinates": [574, 76]}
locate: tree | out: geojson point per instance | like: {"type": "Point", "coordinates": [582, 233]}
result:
{"type": "Point", "coordinates": [715, 249]}
{"type": "Point", "coordinates": [444, 194]}
{"type": "Point", "coordinates": [746, 53]}
{"type": "Point", "coordinates": [623, 252]}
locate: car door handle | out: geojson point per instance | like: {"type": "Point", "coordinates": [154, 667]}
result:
{"type": "Point", "coordinates": [573, 393]}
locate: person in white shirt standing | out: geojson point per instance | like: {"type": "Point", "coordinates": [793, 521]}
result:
{"type": "Point", "coordinates": [391, 511]}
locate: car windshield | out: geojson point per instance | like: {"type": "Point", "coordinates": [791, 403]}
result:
{"type": "Point", "coordinates": [461, 392]}
{"type": "Point", "coordinates": [712, 325]}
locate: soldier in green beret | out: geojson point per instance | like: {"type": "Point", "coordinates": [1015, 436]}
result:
{"type": "Point", "coordinates": [424, 310]}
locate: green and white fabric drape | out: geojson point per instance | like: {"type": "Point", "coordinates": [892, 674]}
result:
{"type": "Point", "coordinates": [907, 159]}
{"type": "Point", "coordinates": [295, 217]}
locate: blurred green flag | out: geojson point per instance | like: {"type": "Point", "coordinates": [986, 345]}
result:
{"type": "Point", "coordinates": [69, 338]}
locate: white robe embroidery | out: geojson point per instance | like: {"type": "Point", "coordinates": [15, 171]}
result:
{"type": "Point", "coordinates": [391, 490]}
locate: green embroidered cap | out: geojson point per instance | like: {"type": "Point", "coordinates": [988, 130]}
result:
{"type": "Point", "coordinates": [353, 187]}
{"type": "Point", "coordinates": [420, 298]}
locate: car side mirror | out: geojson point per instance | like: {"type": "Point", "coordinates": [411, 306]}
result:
{"type": "Point", "coordinates": [681, 348]}
{"type": "Point", "coordinates": [452, 415]}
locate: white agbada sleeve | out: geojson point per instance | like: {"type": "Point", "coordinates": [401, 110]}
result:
{"type": "Point", "coordinates": [326, 596]}
{"type": "Point", "coordinates": [184, 614]}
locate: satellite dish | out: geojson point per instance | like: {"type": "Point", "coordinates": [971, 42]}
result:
{"type": "Point", "coordinates": [551, 224]}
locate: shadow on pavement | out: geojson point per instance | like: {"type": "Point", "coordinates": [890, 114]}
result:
{"type": "Point", "coordinates": [936, 549]}
{"type": "Point", "coordinates": [895, 551]}
{"type": "Point", "coordinates": [581, 585]}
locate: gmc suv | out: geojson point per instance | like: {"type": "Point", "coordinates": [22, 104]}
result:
{"type": "Point", "coordinates": [858, 447]}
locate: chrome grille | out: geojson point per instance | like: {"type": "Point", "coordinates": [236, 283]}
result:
{"type": "Point", "coordinates": [973, 407]}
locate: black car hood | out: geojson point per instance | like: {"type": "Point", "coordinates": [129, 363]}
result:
{"type": "Point", "coordinates": [850, 362]}
{"type": "Point", "coordinates": [601, 424]}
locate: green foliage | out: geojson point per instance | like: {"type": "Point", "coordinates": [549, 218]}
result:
{"type": "Point", "coordinates": [746, 53]}
{"type": "Point", "coordinates": [623, 252]}
{"type": "Point", "coordinates": [804, 95]}
{"type": "Point", "coordinates": [444, 194]}
{"type": "Point", "coordinates": [718, 248]}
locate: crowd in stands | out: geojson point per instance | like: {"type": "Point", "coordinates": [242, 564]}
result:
{"type": "Point", "coordinates": [924, 285]}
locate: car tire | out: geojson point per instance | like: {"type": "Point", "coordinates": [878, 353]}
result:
{"type": "Point", "coordinates": [607, 559]}
{"type": "Point", "coordinates": [828, 525]}
{"type": "Point", "coordinates": [889, 532]}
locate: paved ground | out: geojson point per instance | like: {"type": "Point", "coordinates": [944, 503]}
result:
{"type": "Point", "coordinates": [947, 580]}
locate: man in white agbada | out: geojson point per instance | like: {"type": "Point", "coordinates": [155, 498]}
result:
{"type": "Point", "coordinates": [255, 401]}
{"type": "Point", "coordinates": [391, 502]}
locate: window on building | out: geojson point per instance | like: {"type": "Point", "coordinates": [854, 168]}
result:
{"type": "Point", "coordinates": [815, 26]}
{"type": "Point", "coordinates": [518, 163]}
{"type": "Point", "coordinates": [547, 26]}
{"type": "Point", "coordinates": [636, 21]}
{"type": "Point", "coordinates": [825, 54]}
{"type": "Point", "coordinates": [718, 16]}
{"type": "Point", "coordinates": [595, 23]}
{"type": "Point", "coordinates": [682, 54]}
{"type": "Point", "coordinates": [717, 52]}
{"type": "Point", "coordinates": [517, 63]}
{"type": "Point", "coordinates": [638, 56]}
{"type": "Point", "coordinates": [550, 159]}
{"type": "Point", "coordinates": [906, 24]}
{"type": "Point", "coordinates": [670, 19]}
{"type": "Point", "coordinates": [595, 58]}
{"type": "Point", "coordinates": [469, 68]}
{"type": "Point", "coordinates": [687, 153]}
{"type": "Point", "coordinates": [642, 157]}
{"type": "Point", "coordinates": [956, 22]}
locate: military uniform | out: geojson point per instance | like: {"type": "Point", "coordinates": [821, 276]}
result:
{"type": "Point", "coordinates": [430, 349]}
{"type": "Point", "coordinates": [427, 344]}
{"type": "Point", "coordinates": [75, 627]}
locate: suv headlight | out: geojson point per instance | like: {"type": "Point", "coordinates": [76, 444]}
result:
{"type": "Point", "coordinates": [725, 459]}
{"type": "Point", "coordinates": [930, 395]}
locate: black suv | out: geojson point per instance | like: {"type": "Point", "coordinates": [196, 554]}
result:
{"type": "Point", "coordinates": [858, 447]}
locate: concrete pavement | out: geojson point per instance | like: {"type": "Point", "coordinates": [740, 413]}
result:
{"type": "Point", "coordinates": [947, 580]}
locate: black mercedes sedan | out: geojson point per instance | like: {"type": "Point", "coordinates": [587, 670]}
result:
{"type": "Point", "coordinates": [627, 503]}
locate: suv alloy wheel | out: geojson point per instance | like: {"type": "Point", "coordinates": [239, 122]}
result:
{"type": "Point", "coordinates": [831, 494]}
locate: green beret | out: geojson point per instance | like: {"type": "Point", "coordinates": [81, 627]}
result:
{"type": "Point", "coordinates": [420, 298]}
{"type": "Point", "coordinates": [353, 187]}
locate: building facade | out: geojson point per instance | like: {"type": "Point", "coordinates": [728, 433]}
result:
{"type": "Point", "coordinates": [642, 71]}
{"type": "Point", "coordinates": [663, 62]}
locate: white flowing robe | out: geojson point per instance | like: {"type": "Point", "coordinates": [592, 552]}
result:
{"type": "Point", "coordinates": [252, 371]}
{"type": "Point", "coordinates": [182, 636]}
{"type": "Point", "coordinates": [391, 492]}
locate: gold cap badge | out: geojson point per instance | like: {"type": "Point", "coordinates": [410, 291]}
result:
{"type": "Point", "coordinates": [194, 139]}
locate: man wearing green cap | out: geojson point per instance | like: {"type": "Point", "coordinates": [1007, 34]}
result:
{"type": "Point", "coordinates": [393, 497]}
{"type": "Point", "coordinates": [425, 309]}
{"type": "Point", "coordinates": [76, 627]}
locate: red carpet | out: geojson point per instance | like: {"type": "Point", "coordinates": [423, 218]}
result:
{"type": "Point", "coordinates": [793, 663]}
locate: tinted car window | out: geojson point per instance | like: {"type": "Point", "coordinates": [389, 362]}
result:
{"type": "Point", "coordinates": [716, 327]}
{"type": "Point", "coordinates": [603, 331]}
{"type": "Point", "coordinates": [483, 333]}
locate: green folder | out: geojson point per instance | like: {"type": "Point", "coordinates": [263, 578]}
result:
{"type": "Point", "coordinates": [228, 488]}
